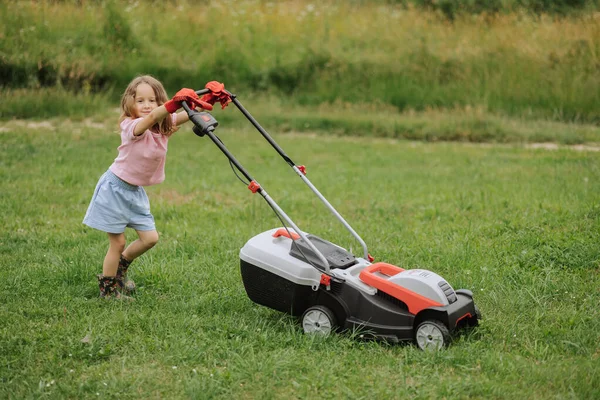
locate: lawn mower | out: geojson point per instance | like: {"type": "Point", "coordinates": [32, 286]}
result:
{"type": "Point", "coordinates": [329, 288]}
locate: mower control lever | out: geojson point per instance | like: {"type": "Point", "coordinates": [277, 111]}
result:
{"type": "Point", "coordinates": [203, 122]}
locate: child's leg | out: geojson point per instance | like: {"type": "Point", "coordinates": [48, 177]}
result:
{"type": "Point", "coordinates": [107, 281]}
{"type": "Point", "coordinates": [115, 249]}
{"type": "Point", "coordinates": [146, 241]}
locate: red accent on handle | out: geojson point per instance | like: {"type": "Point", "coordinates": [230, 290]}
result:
{"type": "Point", "coordinates": [325, 280]}
{"type": "Point", "coordinates": [284, 232]}
{"type": "Point", "coordinates": [254, 186]}
{"type": "Point", "coordinates": [414, 301]}
{"type": "Point", "coordinates": [370, 257]}
{"type": "Point", "coordinates": [302, 169]}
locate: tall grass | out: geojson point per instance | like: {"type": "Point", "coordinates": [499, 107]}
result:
{"type": "Point", "coordinates": [516, 63]}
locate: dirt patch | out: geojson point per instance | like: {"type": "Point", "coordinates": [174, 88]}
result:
{"type": "Point", "coordinates": [358, 139]}
{"type": "Point", "coordinates": [555, 146]}
{"type": "Point", "coordinates": [52, 124]}
{"type": "Point", "coordinates": [34, 125]}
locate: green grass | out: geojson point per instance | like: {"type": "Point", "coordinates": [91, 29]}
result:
{"type": "Point", "coordinates": [517, 226]}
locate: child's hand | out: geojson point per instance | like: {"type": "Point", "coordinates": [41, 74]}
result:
{"type": "Point", "coordinates": [189, 96]}
{"type": "Point", "coordinates": [217, 93]}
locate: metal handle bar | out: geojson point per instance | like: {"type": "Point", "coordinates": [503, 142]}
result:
{"type": "Point", "coordinates": [302, 176]}
{"type": "Point", "coordinates": [263, 193]}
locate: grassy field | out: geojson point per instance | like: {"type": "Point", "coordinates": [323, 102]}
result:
{"type": "Point", "coordinates": [370, 120]}
{"type": "Point", "coordinates": [516, 225]}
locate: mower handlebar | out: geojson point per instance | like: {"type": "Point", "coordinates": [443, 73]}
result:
{"type": "Point", "coordinates": [282, 153]}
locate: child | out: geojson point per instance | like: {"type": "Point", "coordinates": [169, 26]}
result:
{"type": "Point", "coordinates": [147, 121]}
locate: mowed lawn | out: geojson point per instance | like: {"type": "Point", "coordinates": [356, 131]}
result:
{"type": "Point", "coordinates": [517, 226]}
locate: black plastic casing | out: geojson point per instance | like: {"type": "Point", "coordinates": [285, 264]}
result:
{"type": "Point", "coordinates": [203, 122]}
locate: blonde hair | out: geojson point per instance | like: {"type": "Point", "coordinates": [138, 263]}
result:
{"type": "Point", "coordinates": [166, 127]}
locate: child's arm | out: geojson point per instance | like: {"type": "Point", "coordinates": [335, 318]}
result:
{"type": "Point", "coordinates": [155, 117]}
{"type": "Point", "coordinates": [182, 118]}
{"type": "Point", "coordinates": [159, 113]}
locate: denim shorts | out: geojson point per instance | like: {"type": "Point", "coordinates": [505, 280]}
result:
{"type": "Point", "coordinates": [116, 205]}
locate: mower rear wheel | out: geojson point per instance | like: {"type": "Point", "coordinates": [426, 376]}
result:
{"type": "Point", "coordinates": [432, 335]}
{"type": "Point", "coordinates": [318, 320]}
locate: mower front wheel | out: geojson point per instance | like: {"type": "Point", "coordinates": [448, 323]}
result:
{"type": "Point", "coordinates": [432, 335]}
{"type": "Point", "coordinates": [318, 320]}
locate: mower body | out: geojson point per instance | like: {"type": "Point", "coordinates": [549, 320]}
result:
{"type": "Point", "coordinates": [374, 299]}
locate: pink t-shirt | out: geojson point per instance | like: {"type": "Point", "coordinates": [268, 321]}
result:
{"type": "Point", "coordinates": [141, 159]}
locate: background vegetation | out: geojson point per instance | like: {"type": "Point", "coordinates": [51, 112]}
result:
{"type": "Point", "coordinates": [517, 58]}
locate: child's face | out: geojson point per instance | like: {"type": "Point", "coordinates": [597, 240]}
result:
{"type": "Point", "coordinates": [145, 100]}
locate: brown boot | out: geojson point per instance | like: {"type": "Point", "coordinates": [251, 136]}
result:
{"type": "Point", "coordinates": [109, 288]}
{"type": "Point", "coordinates": [125, 284]}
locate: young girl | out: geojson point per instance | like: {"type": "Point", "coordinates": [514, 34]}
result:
{"type": "Point", "coordinates": [147, 121]}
